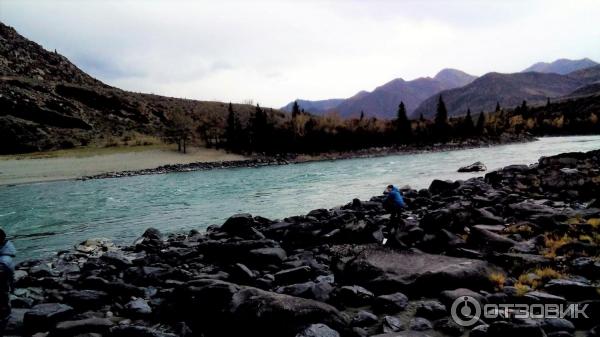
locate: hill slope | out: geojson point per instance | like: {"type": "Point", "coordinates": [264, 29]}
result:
{"type": "Point", "coordinates": [508, 89]}
{"type": "Point", "coordinates": [561, 66]}
{"type": "Point", "coordinates": [46, 103]}
{"type": "Point", "coordinates": [588, 75]}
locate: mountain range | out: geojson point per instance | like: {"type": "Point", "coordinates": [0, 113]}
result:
{"type": "Point", "coordinates": [383, 101]}
{"type": "Point", "coordinates": [462, 91]}
{"type": "Point", "coordinates": [507, 89]}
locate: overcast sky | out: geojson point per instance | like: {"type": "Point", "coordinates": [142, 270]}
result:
{"type": "Point", "coordinates": [275, 51]}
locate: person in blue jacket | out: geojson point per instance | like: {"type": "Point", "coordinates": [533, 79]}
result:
{"type": "Point", "coordinates": [393, 201]}
{"type": "Point", "coordinates": [7, 271]}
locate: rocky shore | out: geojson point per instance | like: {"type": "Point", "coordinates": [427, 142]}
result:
{"type": "Point", "coordinates": [522, 234]}
{"type": "Point", "coordinates": [295, 158]}
{"type": "Point", "coordinates": [197, 166]}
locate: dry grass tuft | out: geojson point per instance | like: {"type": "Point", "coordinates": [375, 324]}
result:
{"type": "Point", "coordinates": [547, 274]}
{"type": "Point", "coordinates": [498, 279]}
{"type": "Point", "coordinates": [553, 242]}
{"type": "Point", "coordinates": [538, 277]}
{"type": "Point", "coordinates": [522, 289]}
{"type": "Point", "coordinates": [595, 222]}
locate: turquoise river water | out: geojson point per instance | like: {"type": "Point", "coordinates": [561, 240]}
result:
{"type": "Point", "coordinates": [43, 218]}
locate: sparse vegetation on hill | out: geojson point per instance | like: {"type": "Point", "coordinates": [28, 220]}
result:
{"type": "Point", "coordinates": [48, 103]}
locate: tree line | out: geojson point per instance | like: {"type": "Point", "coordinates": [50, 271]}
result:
{"type": "Point", "coordinates": [301, 132]}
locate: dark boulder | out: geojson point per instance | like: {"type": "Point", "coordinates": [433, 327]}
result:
{"type": "Point", "coordinates": [86, 299]}
{"type": "Point", "coordinates": [116, 259]}
{"type": "Point", "coordinates": [353, 295]}
{"type": "Point", "coordinates": [246, 310]}
{"type": "Point", "coordinates": [436, 220]}
{"type": "Point", "coordinates": [545, 298]}
{"type": "Point", "coordinates": [320, 291]}
{"type": "Point", "coordinates": [82, 326]}
{"type": "Point", "coordinates": [151, 234]}
{"type": "Point", "coordinates": [525, 329]}
{"type": "Point", "coordinates": [479, 331]}
{"type": "Point", "coordinates": [293, 275]}
{"type": "Point", "coordinates": [385, 270]}
{"type": "Point", "coordinates": [475, 167]}
{"type": "Point", "coordinates": [238, 223]}
{"type": "Point", "coordinates": [442, 186]}
{"type": "Point", "coordinates": [572, 289]}
{"type": "Point", "coordinates": [259, 312]}
{"type": "Point", "coordinates": [431, 309]}
{"type": "Point", "coordinates": [551, 325]}
{"type": "Point", "coordinates": [419, 324]}
{"type": "Point", "coordinates": [448, 327]}
{"type": "Point", "coordinates": [391, 324]}
{"type": "Point", "coordinates": [242, 225]}
{"type": "Point", "coordinates": [483, 238]}
{"type": "Point", "coordinates": [44, 316]}
{"type": "Point", "coordinates": [364, 318]}
{"type": "Point", "coordinates": [449, 296]}
{"type": "Point", "coordinates": [390, 303]}
{"type": "Point", "coordinates": [318, 330]}
{"type": "Point", "coordinates": [138, 308]}
{"type": "Point", "coordinates": [265, 256]}
{"type": "Point", "coordinates": [137, 331]}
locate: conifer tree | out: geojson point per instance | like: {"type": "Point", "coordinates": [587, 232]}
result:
{"type": "Point", "coordinates": [441, 120]}
{"type": "Point", "coordinates": [295, 109]}
{"type": "Point", "coordinates": [231, 132]}
{"type": "Point", "coordinates": [481, 123]}
{"type": "Point", "coordinates": [403, 125]}
{"type": "Point", "coordinates": [441, 116]}
{"type": "Point", "coordinates": [468, 124]}
{"type": "Point", "coordinates": [259, 128]}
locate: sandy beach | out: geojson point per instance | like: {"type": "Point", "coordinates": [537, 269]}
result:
{"type": "Point", "coordinates": [74, 164]}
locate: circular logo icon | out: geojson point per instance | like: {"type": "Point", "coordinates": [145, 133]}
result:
{"type": "Point", "coordinates": [465, 311]}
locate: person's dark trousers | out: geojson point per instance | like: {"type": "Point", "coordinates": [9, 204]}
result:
{"type": "Point", "coordinates": [5, 287]}
{"type": "Point", "coordinates": [393, 209]}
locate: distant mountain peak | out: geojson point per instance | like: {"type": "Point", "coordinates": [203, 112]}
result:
{"type": "Point", "coordinates": [360, 94]}
{"type": "Point", "coordinates": [449, 72]}
{"type": "Point", "coordinates": [453, 78]}
{"type": "Point", "coordinates": [561, 66]}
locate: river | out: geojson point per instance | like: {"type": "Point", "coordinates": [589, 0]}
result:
{"type": "Point", "coordinates": [43, 218]}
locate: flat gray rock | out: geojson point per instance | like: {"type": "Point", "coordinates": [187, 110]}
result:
{"type": "Point", "coordinates": [384, 270]}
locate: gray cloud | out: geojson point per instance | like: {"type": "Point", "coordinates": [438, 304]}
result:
{"type": "Point", "coordinates": [275, 51]}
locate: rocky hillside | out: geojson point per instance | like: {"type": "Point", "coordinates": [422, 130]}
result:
{"type": "Point", "coordinates": [20, 57]}
{"type": "Point", "coordinates": [523, 234]}
{"type": "Point", "coordinates": [561, 66]}
{"type": "Point", "coordinates": [383, 101]}
{"type": "Point", "coordinates": [47, 103]}
{"type": "Point", "coordinates": [507, 89]}
{"type": "Point", "coordinates": [588, 75]}
{"type": "Point", "coordinates": [591, 89]}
